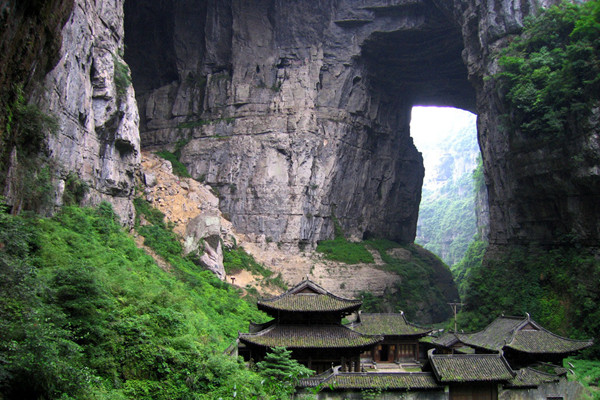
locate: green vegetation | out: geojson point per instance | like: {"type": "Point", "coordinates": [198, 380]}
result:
{"type": "Point", "coordinates": [340, 249]}
{"type": "Point", "coordinates": [558, 287]}
{"type": "Point", "coordinates": [236, 259]}
{"type": "Point", "coordinates": [121, 77]}
{"type": "Point", "coordinates": [447, 219]}
{"type": "Point", "coordinates": [478, 177]}
{"type": "Point", "coordinates": [587, 372]}
{"type": "Point", "coordinates": [157, 234]}
{"type": "Point", "coordinates": [420, 272]}
{"type": "Point", "coordinates": [22, 148]}
{"type": "Point", "coordinates": [550, 74]}
{"type": "Point", "coordinates": [179, 168]}
{"type": "Point", "coordinates": [27, 126]}
{"type": "Point", "coordinates": [282, 371]}
{"type": "Point", "coordinates": [75, 189]}
{"type": "Point", "coordinates": [550, 82]}
{"type": "Point", "coordinates": [471, 260]}
{"type": "Point", "coordinates": [85, 314]}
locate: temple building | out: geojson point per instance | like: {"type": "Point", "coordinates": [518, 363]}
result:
{"type": "Point", "coordinates": [307, 319]}
{"type": "Point", "coordinates": [511, 359]}
{"type": "Point", "coordinates": [400, 338]}
{"type": "Point", "coordinates": [523, 341]}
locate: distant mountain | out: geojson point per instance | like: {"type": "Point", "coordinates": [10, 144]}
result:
{"type": "Point", "coordinates": [447, 138]}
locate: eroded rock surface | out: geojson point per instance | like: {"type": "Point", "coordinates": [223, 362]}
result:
{"type": "Point", "coordinates": [297, 112]}
{"type": "Point", "coordinates": [88, 91]}
{"type": "Point", "coordinates": [192, 209]}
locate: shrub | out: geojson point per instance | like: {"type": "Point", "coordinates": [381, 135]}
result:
{"type": "Point", "coordinates": [121, 77]}
{"type": "Point", "coordinates": [550, 75]}
{"type": "Point", "coordinates": [84, 313]}
{"type": "Point", "coordinates": [340, 249]}
{"type": "Point", "coordinates": [75, 189]}
{"type": "Point", "coordinates": [179, 168]}
{"type": "Point", "coordinates": [237, 259]}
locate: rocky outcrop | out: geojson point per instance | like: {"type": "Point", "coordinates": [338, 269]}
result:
{"type": "Point", "coordinates": [90, 92]}
{"type": "Point", "coordinates": [297, 112]}
{"type": "Point", "coordinates": [293, 112]}
{"type": "Point", "coordinates": [542, 193]}
{"type": "Point", "coordinates": [192, 209]}
{"type": "Point", "coordinates": [87, 89]}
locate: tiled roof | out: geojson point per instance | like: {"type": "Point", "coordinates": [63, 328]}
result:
{"type": "Point", "coordinates": [386, 381]}
{"type": "Point", "coordinates": [543, 341]}
{"type": "Point", "coordinates": [387, 324]}
{"type": "Point", "coordinates": [529, 377]}
{"type": "Point", "coordinates": [470, 367]}
{"type": "Point", "coordinates": [255, 327]}
{"type": "Point", "coordinates": [448, 340]}
{"type": "Point", "coordinates": [308, 296]}
{"type": "Point", "coordinates": [311, 336]}
{"type": "Point", "coordinates": [522, 334]}
{"type": "Point", "coordinates": [494, 336]}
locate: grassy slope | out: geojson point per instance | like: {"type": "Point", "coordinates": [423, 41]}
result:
{"type": "Point", "coordinates": [426, 284]}
{"type": "Point", "coordinates": [86, 314]}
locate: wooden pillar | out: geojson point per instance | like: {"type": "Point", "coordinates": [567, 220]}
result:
{"type": "Point", "coordinates": [397, 353]}
{"type": "Point", "coordinates": [357, 364]}
{"type": "Point", "coordinates": [417, 351]}
{"type": "Point", "coordinates": [344, 366]}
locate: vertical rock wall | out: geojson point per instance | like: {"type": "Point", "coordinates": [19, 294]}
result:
{"type": "Point", "coordinates": [89, 92]}
{"type": "Point", "coordinates": [539, 193]}
{"type": "Point", "coordinates": [297, 111]}
{"type": "Point", "coordinates": [67, 59]}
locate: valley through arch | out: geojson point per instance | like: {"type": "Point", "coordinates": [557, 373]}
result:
{"type": "Point", "coordinates": [451, 212]}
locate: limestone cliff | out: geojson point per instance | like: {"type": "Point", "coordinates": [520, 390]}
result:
{"type": "Point", "coordinates": [294, 111]}
{"type": "Point", "coordinates": [86, 88]}
{"type": "Point", "coordinates": [297, 112]}
{"type": "Point", "coordinates": [538, 192]}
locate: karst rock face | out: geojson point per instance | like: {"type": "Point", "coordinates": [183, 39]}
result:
{"type": "Point", "coordinates": [298, 111]}
{"type": "Point", "coordinates": [98, 136]}
{"type": "Point", "coordinates": [539, 193]}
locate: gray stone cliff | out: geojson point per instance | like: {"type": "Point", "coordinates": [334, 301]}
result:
{"type": "Point", "coordinates": [297, 111]}
{"type": "Point", "coordinates": [98, 134]}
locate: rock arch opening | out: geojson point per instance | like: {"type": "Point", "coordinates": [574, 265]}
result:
{"type": "Point", "coordinates": [447, 138]}
{"type": "Point", "coordinates": [297, 113]}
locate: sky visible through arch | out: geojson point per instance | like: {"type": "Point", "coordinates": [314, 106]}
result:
{"type": "Point", "coordinates": [447, 138]}
{"type": "Point", "coordinates": [432, 127]}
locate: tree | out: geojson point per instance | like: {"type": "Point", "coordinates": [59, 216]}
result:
{"type": "Point", "coordinates": [282, 372]}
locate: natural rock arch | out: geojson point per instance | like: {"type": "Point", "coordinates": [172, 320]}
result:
{"type": "Point", "coordinates": [297, 111]}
